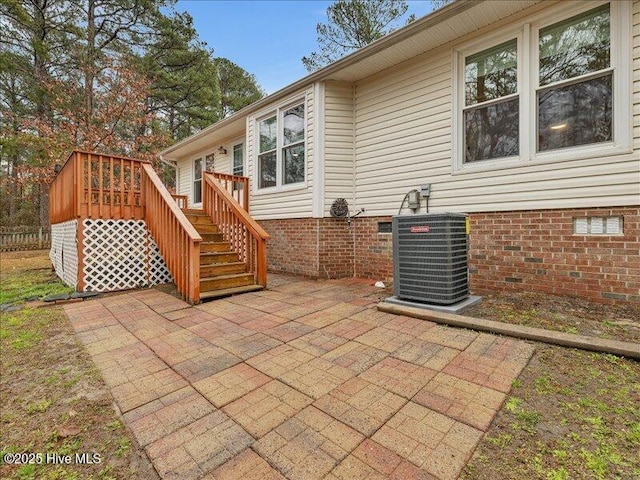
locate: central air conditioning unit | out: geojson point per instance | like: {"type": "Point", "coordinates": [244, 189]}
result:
{"type": "Point", "coordinates": [430, 258]}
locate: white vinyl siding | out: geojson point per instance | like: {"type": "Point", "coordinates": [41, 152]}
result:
{"type": "Point", "coordinates": [338, 148]}
{"type": "Point", "coordinates": [221, 163]}
{"type": "Point", "coordinates": [403, 138]}
{"type": "Point", "coordinates": [184, 178]}
{"type": "Point", "coordinates": [292, 201]}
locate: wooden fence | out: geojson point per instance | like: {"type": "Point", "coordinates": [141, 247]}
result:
{"type": "Point", "coordinates": [21, 238]}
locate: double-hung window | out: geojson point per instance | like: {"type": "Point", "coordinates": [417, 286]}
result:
{"type": "Point", "coordinates": [553, 89]}
{"type": "Point", "coordinates": [491, 103]}
{"type": "Point", "coordinates": [238, 160]}
{"type": "Point", "coordinates": [237, 168]}
{"type": "Point", "coordinates": [197, 180]}
{"type": "Point", "coordinates": [575, 94]}
{"type": "Point", "coordinates": [281, 147]}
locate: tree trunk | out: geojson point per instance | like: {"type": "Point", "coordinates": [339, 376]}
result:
{"type": "Point", "coordinates": [90, 61]}
{"type": "Point", "coordinates": [44, 205]}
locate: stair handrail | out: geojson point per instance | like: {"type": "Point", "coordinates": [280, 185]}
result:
{"type": "Point", "coordinates": [177, 239]}
{"type": "Point", "coordinates": [238, 228]}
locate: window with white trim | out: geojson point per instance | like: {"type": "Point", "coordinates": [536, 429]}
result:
{"type": "Point", "coordinates": [552, 89]}
{"type": "Point", "coordinates": [491, 111]}
{"type": "Point", "coordinates": [575, 94]}
{"type": "Point", "coordinates": [238, 160]}
{"type": "Point", "coordinates": [281, 147]}
{"type": "Point", "coordinates": [237, 167]}
{"type": "Point", "coordinates": [197, 180]}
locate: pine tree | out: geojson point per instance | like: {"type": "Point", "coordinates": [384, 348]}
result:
{"type": "Point", "coordinates": [353, 24]}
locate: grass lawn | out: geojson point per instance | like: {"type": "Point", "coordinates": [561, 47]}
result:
{"type": "Point", "coordinates": [52, 398]}
{"type": "Point", "coordinates": [571, 415]}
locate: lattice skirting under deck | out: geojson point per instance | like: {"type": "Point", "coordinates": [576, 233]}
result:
{"type": "Point", "coordinates": [64, 251]}
{"type": "Point", "coordinates": [120, 254]}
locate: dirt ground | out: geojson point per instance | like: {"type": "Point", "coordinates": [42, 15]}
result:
{"type": "Point", "coordinates": [52, 399]}
{"type": "Point", "coordinates": [566, 314]}
{"type": "Point", "coordinates": [571, 414]}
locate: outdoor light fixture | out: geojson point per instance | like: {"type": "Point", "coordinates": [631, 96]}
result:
{"type": "Point", "coordinates": [222, 151]}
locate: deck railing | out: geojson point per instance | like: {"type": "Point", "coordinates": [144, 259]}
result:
{"type": "Point", "coordinates": [181, 200]}
{"type": "Point", "coordinates": [177, 239]}
{"type": "Point", "coordinates": [237, 186]}
{"type": "Point", "coordinates": [91, 185]}
{"type": "Point", "coordinates": [247, 238]}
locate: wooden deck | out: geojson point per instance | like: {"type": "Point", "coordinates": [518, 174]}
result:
{"type": "Point", "coordinates": [96, 186]}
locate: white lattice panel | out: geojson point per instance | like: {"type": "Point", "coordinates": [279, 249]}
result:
{"type": "Point", "coordinates": [158, 271]}
{"type": "Point", "coordinates": [120, 254]}
{"type": "Point", "coordinates": [64, 251]}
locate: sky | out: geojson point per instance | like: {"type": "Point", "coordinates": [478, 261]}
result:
{"type": "Point", "coordinates": [267, 38]}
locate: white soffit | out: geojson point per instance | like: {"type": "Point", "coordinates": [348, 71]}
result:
{"type": "Point", "coordinates": [227, 128]}
{"type": "Point", "coordinates": [479, 16]}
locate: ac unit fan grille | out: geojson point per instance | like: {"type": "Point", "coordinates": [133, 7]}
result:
{"type": "Point", "coordinates": [430, 258]}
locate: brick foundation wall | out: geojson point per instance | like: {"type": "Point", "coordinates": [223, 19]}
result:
{"type": "Point", "coordinates": [537, 251]}
{"type": "Point", "coordinates": [335, 248]}
{"type": "Point", "coordinates": [374, 251]}
{"type": "Point", "coordinates": [293, 246]}
{"type": "Point", "coordinates": [313, 247]}
{"type": "Point", "coordinates": [519, 251]}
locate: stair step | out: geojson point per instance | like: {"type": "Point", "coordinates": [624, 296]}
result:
{"type": "Point", "coordinates": [225, 281]}
{"type": "Point", "coordinates": [211, 237]}
{"type": "Point", "coordinates": [199, 220]}
{"type": "Point", "coordinates": [221, 269]}
{"type": "Point", "coordinates": [207, 258]}
{"type": "Point", "coordinates": [229, 291]}
{"type": "Point", "coordinates": [193, 211]}
{"type": "Point", "coordinates": [215, 247]}
{"type": "Point", "coordinates": [205, 228]}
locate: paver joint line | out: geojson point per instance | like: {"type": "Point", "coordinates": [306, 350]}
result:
{"type": "Point", "coordinates": [307, 380]}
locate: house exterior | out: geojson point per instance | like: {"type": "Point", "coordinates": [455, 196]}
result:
{"type": "Point", "coordinates": [523, 114]}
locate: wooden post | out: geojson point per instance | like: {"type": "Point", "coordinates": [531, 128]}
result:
{"type": "Point", "coordinates": [245, 188]}
{"type": "Point", "coordinates": [79, 244]}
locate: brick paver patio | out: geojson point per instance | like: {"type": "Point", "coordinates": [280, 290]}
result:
{"type": "Point", "coordinates": [305, 380]}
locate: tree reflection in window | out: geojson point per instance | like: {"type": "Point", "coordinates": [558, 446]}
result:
{"type": "Point", "coordinates": [267, 170]}
{"type": "Point", "coordinates": [293, 125]}
{"type": "Point", "coordinates": [281, 156]}
{"type": "Point", "coordinates": [491, 114]}
{"type": "Point", "coordinates": [293, 164]}
{"type": "Point", "coordinates": [268, 131]}
{"type": "Point", "coordinates": [576, 46]}
{"type": "Point", "coordinates": [577, 114]}
{"type": "Point", "coordinates": [570, 112]}
{"type": "Point", "coordinates": [293, 145]}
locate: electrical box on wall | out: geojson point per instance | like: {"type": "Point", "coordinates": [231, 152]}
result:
{"type": "Point", "coordinates": [425, 190]}
{"type": "Point", "coordinates": [413, 202]}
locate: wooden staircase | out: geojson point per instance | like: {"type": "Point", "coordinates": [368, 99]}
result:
{"type": "Point", "coordinates": [221, 271]}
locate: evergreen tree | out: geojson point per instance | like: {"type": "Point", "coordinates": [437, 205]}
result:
{"type": "Point", "coordinates": [238, 88]}
{"type": "Point", "coordinates": [116, 76]}
{"type": "Point", "coordinates": [353, 24]}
